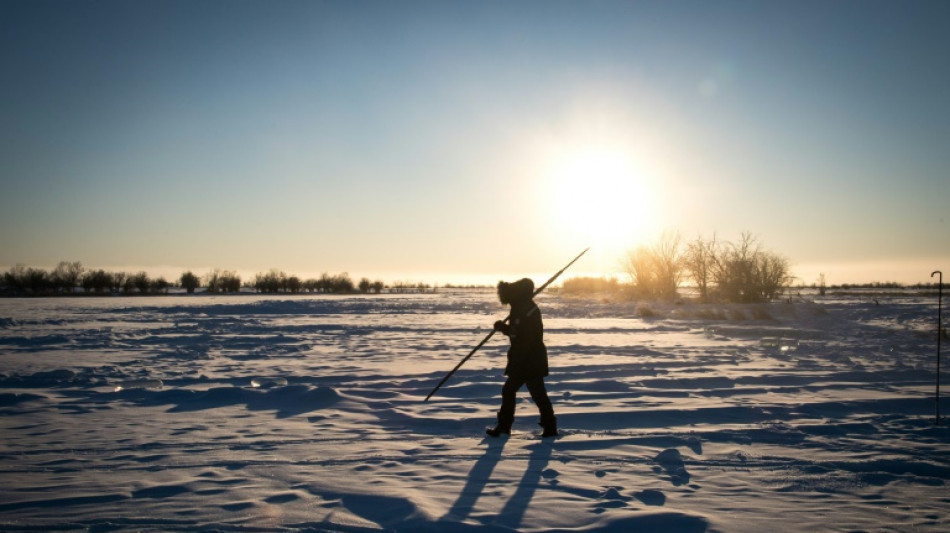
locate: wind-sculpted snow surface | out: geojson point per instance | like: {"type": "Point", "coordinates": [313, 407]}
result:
{"type": "Point", "coordinates": [257, 413]}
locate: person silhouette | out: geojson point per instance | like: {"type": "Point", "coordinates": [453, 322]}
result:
{"type": "Point", "coordinates": [527, 357]}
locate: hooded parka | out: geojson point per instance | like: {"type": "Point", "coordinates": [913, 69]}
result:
{"type": "Point", "coordinates": [527, 356]}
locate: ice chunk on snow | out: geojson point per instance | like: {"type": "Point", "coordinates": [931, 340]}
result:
{"type": "Point", "coordinates": [267, 383]}
{"type": "Point", "coordinates": [139, 384]}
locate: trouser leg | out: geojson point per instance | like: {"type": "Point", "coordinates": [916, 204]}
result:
{"type": "Point", "coordinates": [509, 393]}
{"type": "Point", "coordinates": [506, 415]}
{"type": "Point", "coordinates": [540, 396]}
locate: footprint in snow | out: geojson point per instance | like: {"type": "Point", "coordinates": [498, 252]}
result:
{"type": "Point", "coordinates": [611, 498]}
{"type": "Point", "coordinates": [651, 497]}
{"type": "Point", "coordinates": [672, 463]}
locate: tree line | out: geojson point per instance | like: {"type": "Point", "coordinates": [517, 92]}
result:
{"type": "Point", "coordinates": [70, 277]}
{"type": "Point", "coordinates": [275, 281]}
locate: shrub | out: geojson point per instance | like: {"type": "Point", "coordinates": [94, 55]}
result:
{"type": "Point", "coordinates": [231, 282]}
{"type": "Point", "coordinates": [341, 283]}
{"type": "Point", "coordinates": [745, 273]}
{"type": "Point", "coordinates": [410, 286]}
{"type": "Point", "coordinates": [589, 285]}
{"type": "Point", "coordinates": [159, 285]}
{"type": "Point", "coordinates": [223, 281]}
{"type": "Point", "coordinates": [741, 272]}
{"type": "Point", "coordinates": [272, 281]}
{"type": "Point", "coordinates": [189, 282]}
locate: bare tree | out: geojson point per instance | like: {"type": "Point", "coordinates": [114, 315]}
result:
{"type": "Point", "coordinates": [656, 271]}
{"type": "Point", "coordinates": [15, 278]}
{"type": "Point", "coordinates": [342, 283]}
{"type": "Point", "coordinates": [734, 269]}
{"type": "Point", "coordinates": [231, 281]}
{"type": "Point", "coordinates": [772, 275]}
{"type": "Point", "coordinates": [294, 284]}
{"type": "Point", "coordinates": [140, 281]}
{"type": "Point", "coordinates": [97, 280]}
{"type": "Point", "coordinates": [37, 280]}
{"type": "Point", "coordinates": [325, 283]}
{"type": "Point", "coordinates": [668, 257]}
{"type": "Point", "coordinates": [65, 277]}
{"type": "Point", "coordinates": [118, 281]}
{"type": "Point", "coordinates": [310, 285]}
{"type": "Point", "coordinates": [21, 279]}
{"type": "Point", "coordinates": [699, 260]}
{"type": "Point", "coordinates": [213, 281]}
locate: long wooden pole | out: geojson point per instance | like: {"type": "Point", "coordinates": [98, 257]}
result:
{"type": "Point", "coordinates": [492, 332]}
{"type": "Point", "coordinates": [939, 335]}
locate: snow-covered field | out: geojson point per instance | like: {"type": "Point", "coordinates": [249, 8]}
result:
{"type": "Point", "coordinates": [257, 413]}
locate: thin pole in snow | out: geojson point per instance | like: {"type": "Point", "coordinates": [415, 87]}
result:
{"type": "Point", "coordinates": [939, 334]}
{"type": "Point", "coordinates": [492, 332]}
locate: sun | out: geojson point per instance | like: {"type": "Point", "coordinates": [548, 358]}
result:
{"type": "Point", "coordinates": [602, 196]}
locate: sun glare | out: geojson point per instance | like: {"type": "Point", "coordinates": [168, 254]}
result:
{"type": "Point", "coordinates": [601, 196]}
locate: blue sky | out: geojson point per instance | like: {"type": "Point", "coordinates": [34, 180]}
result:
{"type": "Point", "coordinates": [412, 140]}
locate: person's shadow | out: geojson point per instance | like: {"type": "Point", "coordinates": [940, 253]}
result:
{"type": "Point", "coordinates": [477, 479]}
{"type": "Point", "coordinates": [516, 507]}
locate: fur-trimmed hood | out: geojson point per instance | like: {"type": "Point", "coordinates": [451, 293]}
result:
{"type": "Point", "coordinates": [520, 291]}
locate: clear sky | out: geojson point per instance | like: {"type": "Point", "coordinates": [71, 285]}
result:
{"type": "Point", "coordinates": [442, 140]}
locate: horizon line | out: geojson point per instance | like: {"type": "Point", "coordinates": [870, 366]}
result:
{"type": "Point", "coordinates": [803, 274]}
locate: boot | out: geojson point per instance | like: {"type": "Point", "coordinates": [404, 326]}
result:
{"type": "Point", "coordinates": [549, 426]}
{"type": "Point", "coordinates": [502, 428]}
